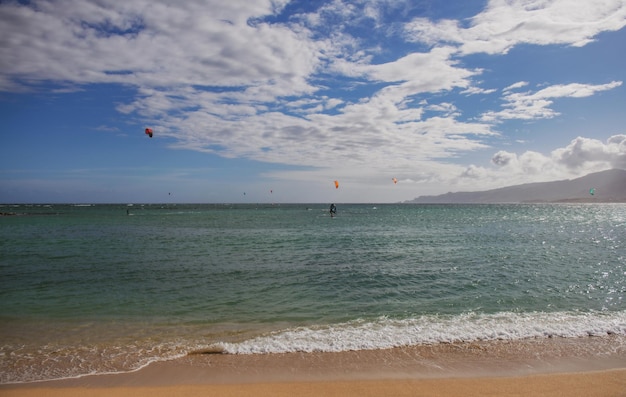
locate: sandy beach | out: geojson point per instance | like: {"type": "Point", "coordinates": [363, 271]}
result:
{"type": "Point", "coordinates": [548, 367]}
{"type": "Point", "coordinates": [606, 383]}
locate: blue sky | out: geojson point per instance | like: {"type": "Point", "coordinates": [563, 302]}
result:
{"type": "Point", "coordinates": [271, 101]}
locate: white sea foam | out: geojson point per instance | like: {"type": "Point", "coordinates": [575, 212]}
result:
{"type": "Point", "coordinates": [52, 362]}
{"type": "Point", "coordinates": [387, 333]}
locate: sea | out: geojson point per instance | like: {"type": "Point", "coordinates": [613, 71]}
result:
{"type": "Point", "coordinates": [99, 289]}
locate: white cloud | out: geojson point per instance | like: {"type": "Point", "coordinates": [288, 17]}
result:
{"type": "Point", "coordinates": [151, 44]}
{"type": "Point", "coordinates": [477, 90]}
{"type": "Point", "coordinates": [537, 105]}
{"type": "Point", "coordinates": [445, 107]}
{"type": "Point", "coordinates": [176, 56]}
{"type": "Point", "coordinates": [218, 77]}
{"type": "Point", "coordinates": [515, 86]}
{"type": "Point", "coordinates": [586, 152]}
{"type": "Point", "coordinates": [506, 23]}
{"type": "Point", "coordinates": [579, 157]}
{"type": "Point", "coordinates": [171, 53]}
{"type": "Point", "coordinates": [528, 164]}
{"type": "Point", "coordinates": [503, 158]}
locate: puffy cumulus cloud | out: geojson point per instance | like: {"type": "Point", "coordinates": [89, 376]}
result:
{"type": "Point", "coordinates": [529, 163]}
{"type": "Point", "coordinates": [537, 105]}
{"type": "Point", "coordinates": [474, 172]}
{"type": "Point", "coordinates": [503, 158]}
{"type": "Point", "coordinates": [579, 157]}
{"type": "Point", "coordinates": [506, 23]}
{"type": "Point", "coordinates": [586, 152]}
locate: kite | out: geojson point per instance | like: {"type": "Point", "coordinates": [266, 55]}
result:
{"type": "Point", "coordinates": [149, 132]}
{"type": "Point", "coordinates": [394, 180]}
{"type": "Point", "coordinates": [592, 191]}
{"type": "Point", "coordinates": [336, 184]}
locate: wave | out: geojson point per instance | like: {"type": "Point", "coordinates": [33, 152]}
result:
{"type": "Point", "coordinates": [384, 333]}
{"type": "Point", "coordinates": [23, 363]}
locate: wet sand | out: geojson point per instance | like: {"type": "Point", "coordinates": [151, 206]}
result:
{"type": "Point", "coordinates": [545, 367]}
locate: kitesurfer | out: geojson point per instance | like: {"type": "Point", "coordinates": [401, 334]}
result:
{"type": "Point", "coordinates": [333, 210]}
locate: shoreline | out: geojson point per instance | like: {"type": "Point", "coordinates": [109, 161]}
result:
{"type": "Point", "coordinates": [550, 367]}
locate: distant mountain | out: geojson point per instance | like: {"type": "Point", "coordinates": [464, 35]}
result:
{"type": "Point", "coordinates": [609, 186]}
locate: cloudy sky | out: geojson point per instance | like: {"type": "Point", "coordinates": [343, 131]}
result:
{"type": "Point", "coordinates": [272, 101]}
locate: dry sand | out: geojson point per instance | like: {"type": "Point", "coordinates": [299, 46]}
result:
{"type": "Point", "coordinates": [605, 383]}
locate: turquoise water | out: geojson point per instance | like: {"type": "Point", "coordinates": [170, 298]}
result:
{"type": "Point", "coordinates": [110, 288]}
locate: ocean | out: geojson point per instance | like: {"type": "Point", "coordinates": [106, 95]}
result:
{"type": "Point", "coordinates": [94, 289]}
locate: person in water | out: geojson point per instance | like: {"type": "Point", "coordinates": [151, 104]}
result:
{"type": "Point", "coordinates": [333, 210]}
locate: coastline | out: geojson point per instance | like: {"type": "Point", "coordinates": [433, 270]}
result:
{"type": "Point", "coordinates": [550, 367]}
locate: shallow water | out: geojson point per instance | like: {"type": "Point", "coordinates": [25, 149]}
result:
{"type": "Point", "coordinates": [93, 289]}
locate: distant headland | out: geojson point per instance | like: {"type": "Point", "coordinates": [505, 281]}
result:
{"type": "Point", "coordinates": [600, 187]}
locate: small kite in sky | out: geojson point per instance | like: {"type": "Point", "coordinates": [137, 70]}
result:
{"type": "Point", "coordinates": [149, 132]}
{"type": "Point", "coordinates": [592, 191]}
{"type": "Point", "coordinates": [336, 184]}
{"type": "Point", "coordinates": [394, 180]}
